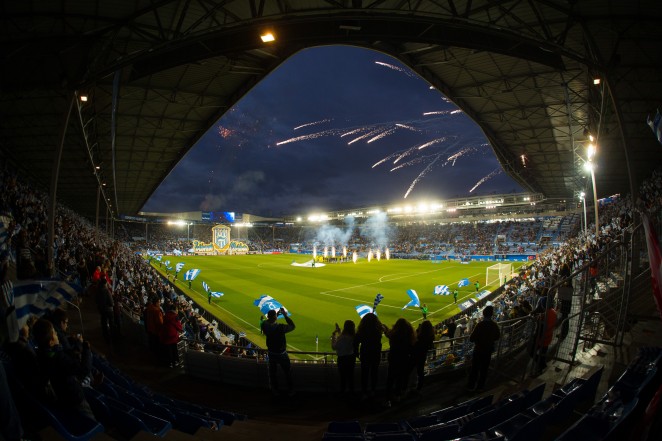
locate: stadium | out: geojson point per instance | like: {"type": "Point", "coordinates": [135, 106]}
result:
{"type": "Point", "coordinates": [100, 103]}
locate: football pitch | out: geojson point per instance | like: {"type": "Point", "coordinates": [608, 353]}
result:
{"type": "Point", "coordinates": [321, 296]}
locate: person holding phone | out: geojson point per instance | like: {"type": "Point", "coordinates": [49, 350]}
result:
{"type": "Point", "coordinates": [277, 349]}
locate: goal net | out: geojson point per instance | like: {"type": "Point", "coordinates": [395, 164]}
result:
{"type": "Point", "coordinates": [498, 273]}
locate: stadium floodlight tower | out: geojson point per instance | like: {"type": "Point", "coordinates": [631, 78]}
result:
{"type": "Point", "coordinates": [498, 273]}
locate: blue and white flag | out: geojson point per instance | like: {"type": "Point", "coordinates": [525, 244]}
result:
{"type": "Point", "coordinates": [267, 303]}
{"type": "Point", "coordinates": [177, 252]}
{"type": "Point", "coordinates": [212, 293]}
{"type": "Point", "coordinates": [169, 268]}
{"type": "Point", "coordinates": [35, 297]}
{"type": "Point", "coordinates": [191, 274]}
{"type": "Point", "coordinates": [179, 266]}
{"type": "Point", "coordinates": [159, 258]}
{"type": "Point", "coordinates": [378, 299]}
{"type": "Point", "coordinates": [363, 310]}
{"type": "Point", "coordinates": [441, 290]}
{"type": "Point", "coordinates": [463, 282]}
{"type": "Point", "coordinates": [167, 263]}
{"type": "Point", "coordinates": [413, 295]}
{"type": "Point", "coordinates": [655, 125]}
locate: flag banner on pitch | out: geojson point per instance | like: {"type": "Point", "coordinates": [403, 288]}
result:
{"type": "Point", "coordinates": [169, 268]}
{"type": "Point", "coordinates": [362, 310]}
{"type": "Point", "coordinates": [167, 263]}
{"type": "Point", "coordinates": [212, 293]}
{"type": "Point", "coordinates": [191, 274]}
{"type": "Point", "coordinates": [35, 297]}
{"type": "Point", "coordinates": [463, 282]}
{"type": "Point", "coordinates": [179, 266]}
{"type": "Point", "coordinates": [159, 258]}
{"type": "Point", "coordinates": [177, 252]}
{"type": "Point", "coordinates": [655, 259]}
{"type": "Point", "coordinates": [378, 299]}
{"type": "Point", "coordinates": [267, 303]}
{"type": "Point", "coordinates": [441, 290]}
{"type": "Point", "coordinates": [414, 302]}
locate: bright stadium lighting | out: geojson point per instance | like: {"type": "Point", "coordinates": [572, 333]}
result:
{"type": "Point", "coordinates": [83, 98]}
{"type": "Point", "coordinates": [408, 209]}
{"type": "Point", "coordinates": [591, 150]}
{"type": "Point", "coordinates": [299, 219]}
{"type": "Point", "coordinates": [267, 37]}
{"type": "Point", "coordinates": [423, 208]}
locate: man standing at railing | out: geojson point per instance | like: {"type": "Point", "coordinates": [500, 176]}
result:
{"type": "Point", "coordinates": [277, 348]}
{"type": "Point", "coordinates": [483, 337]}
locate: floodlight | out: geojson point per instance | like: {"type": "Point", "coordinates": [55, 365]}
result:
{"type": "Point", "coordinates": [267, 37]}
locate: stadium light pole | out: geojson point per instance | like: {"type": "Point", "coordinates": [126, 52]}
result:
{"type": "Point", "coordinates": [590, 166]}
{"type": "Point", "coordinates": [582, 196]}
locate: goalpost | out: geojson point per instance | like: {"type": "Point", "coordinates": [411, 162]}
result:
{"type": "Point", "coordinates": [498, 273]}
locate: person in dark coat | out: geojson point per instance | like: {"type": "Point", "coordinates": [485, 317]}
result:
{"type": "Point", "coordinates": [105, 304]}
{"type": "Point", "coordinates": [277, 348]}
{"type": "Point", "coordinates": [424, 343]}
{"type": "Point", "coordinates": [483, 337]}
{"type": "Point", "coordinates": [170, 332]}
{"type": "Point", "coordinates": [368, 345]}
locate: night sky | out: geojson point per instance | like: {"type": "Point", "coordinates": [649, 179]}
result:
{"type": "Point", "coordinates": [359, 107]}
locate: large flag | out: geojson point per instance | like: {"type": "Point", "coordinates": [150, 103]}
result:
{"type": "Point", "coordinates": [441, 290]}
{"type": "Point", "coordinates": [414, 299]}
{"type": "Point", "coordinates": [179, 266]}
{"type": "Point", "coordinates": [191, 274]}
{"type": "Point", "coordinates": [167, 263]}
{"type": "Point", "coordinates": [463, 282]}
{"type": "Point", "coordinates": [212, 293]}
{"type": "Point", "coordinates": [35, 297]}
{"type": "Point", "coordinates": [655, 125]}
{"type": "Point", "coordinates": [655, 259]}
{"type": "Point", "coordinates": [378, 299]}
{"type": "Point", "coordinates": [267, 303]}
{"type": "Point", "coordinates": [363, 310]}
{"type": "Point", "coordinates": [159, 258]}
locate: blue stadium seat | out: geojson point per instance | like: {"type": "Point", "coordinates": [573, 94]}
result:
{"type": "Point", "coordinates": [612, 423]}
{"type": "Point", "coordinates": [392, 436]}
{"type": "Point", "coordinates": [440, 432]}
{"type": "Point", "coordinates": [374, 428]}
{"type": "Point", "coordinates": [344, 427]}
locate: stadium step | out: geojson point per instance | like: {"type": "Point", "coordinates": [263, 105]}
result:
{"type": "Point", "coordinates": [172, 435]}
{"type": "Point", "coordinates": [251, 429]}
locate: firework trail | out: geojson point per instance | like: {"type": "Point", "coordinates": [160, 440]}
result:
{"type": "Point", "coordinates": [420, 176]}
{"type": "Point", "coordinates": [405, 126]}
{"type": "Point", "coordinates": [351, 132]}
{"type": "Point", "coordinates": [313, 123]}
{"type": "Point", "coordinates": [365, 135]}
{"type": "Point", "coordinates": [429, 143]}
{"type": "Point", "coordinates": [490, 176]}
{"type": "Point", "coordinates": [437, 112]}
{"type": "Point", "coordinates": [399, 69]}
{"type": "Point", "coordinates": [381, 135]}
{"type": "Point", "coordinates": [310, 136]}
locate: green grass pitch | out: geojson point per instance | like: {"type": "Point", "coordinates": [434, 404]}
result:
{"type": "Point", "coordinates": [319, 297]}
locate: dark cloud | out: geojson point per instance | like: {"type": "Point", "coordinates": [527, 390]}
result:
{"type": "Point", "coordinates": [239, 165]}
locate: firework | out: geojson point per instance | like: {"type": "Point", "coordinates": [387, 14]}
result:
{"type": "Point", "coordinates": [396, 68]}
{"type": "Point", "coordinates": [489, 176]}
{"type": "Point", "coordinates": [322, 121]}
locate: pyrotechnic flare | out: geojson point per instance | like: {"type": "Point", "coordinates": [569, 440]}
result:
{"type": "Point", "coordinates": [369, 255]}
{"type": "Point", "coordinates": [326, 252]}
{"type": "Point", "coordinates": [333, 251]}
{"type": "Point", "coordinates": [379, 255]}
{"type": "Point", "coordinates": [490, 176]}
{"type": "Point", "coordinates": [355, 257]}
{"type": "Point", "coordinates": [344, 252]}
{"type": "Point", "coordinates": [399, 69]}
{"type": "Point", "coordinates": [312, 123]}
{"type": "Point", "coordinates": [388, 254]}
{"type": "Point", "coordinates": [314, 252]}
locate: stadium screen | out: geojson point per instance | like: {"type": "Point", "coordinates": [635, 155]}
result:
{"type": "Point", "coordinates": [219, 216]}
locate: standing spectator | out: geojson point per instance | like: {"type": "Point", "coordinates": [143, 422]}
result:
{"type": "Point", "coordinates": [261, 322]}
{"type": "Point", "coordinates": [170, 331]}
{"type": "Point", "coordinates": [343, 344]}
{"type": "Point", "coordinates": [424, 311]}
{"type": "Point", "coordinates": [368, 344]}
{"type": "Point", "coordinates": [565, 306]}
{"type": "Point", "coordinates": [105, 306]}
{"type": "Point", "coordinates": [277, 348]}
{"type": "Point", "coordinates": [401, 341]}
{"type": "Point", "coordinates": [483, 337]}
{"type": "Point", "coordinates": [153, 324]}
{"type": "Point", "coordinates": [423, 344]}
{"type": "Point", "coordinates": [546, 316]}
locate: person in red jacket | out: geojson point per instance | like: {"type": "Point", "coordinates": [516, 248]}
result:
{"type": "Point", "coordinates": [170, 331]}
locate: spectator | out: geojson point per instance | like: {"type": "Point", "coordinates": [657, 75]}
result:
{"type": "Point", "coordinates": [64, 372]}
{"type": "Point", "coordinates": [343, 344]}
{"type": "Point", "coordinates": [170, 332]}
{"type": "Point", "coordinates": [483, 337]}
{"type": "Point", "coordinates": [105, 306]}
{"type": "Point", "coordinates": [546, 321]}
{"type": "Point", "coordinates": [277, 348]}
{"type": "Point", "coordinates": [401, 341]}
{"type": "Point", "coordinates": [423, 344]}
{"type": "Point", "coordinates": [368, 344]}
{"type": "Point", "coordinates": [153, 324]}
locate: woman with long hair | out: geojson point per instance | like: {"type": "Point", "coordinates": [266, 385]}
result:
{"type": "Point", "coordinates": [368, 345]}
{"type": "Point", "coordinates": [343, 343]}
{"type": "Point", "coordinates": [401, 340]}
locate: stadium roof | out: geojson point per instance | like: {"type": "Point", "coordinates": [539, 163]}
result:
{"type": "Point", "coordinates": [159, 73]}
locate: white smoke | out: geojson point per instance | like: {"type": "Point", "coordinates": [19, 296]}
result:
{"type": "Point", "coordinates": [329, 235]}
{"type": "Point", "coordinates": [377, 230]}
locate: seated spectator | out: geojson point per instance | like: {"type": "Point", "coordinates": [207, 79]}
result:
{"type": "Point", "coordinates": [64, 372]}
